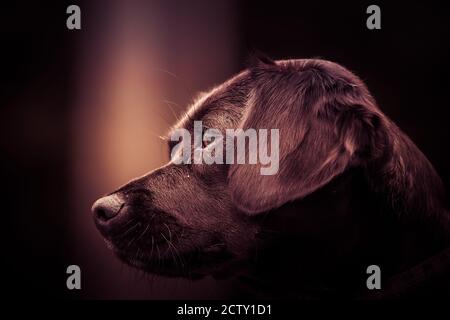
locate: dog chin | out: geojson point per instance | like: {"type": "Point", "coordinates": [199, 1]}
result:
{"type": "Point", "coordinates": [190, 265]}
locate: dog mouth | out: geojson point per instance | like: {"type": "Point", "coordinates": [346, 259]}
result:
{"type": "Point", "coordinates": [156, 243]}
{"type": "Point", "coordinates": [167, 260]}
{"type": "Point", "coordinates": [170, 250]}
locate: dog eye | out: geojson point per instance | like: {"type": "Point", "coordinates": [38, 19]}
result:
{"type": "Point", "coordinates": [205, 143]}
{"type": "Point", "coordinates": [170, 146]}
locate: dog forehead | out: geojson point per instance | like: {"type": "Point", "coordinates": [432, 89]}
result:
{"type": "Point", "coordinates": [219, 107]}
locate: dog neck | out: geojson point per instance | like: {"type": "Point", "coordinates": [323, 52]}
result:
{"type": "Point", "coordinates": [327, 240]}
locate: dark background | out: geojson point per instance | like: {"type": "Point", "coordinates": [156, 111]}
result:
{"type": "Point", "coordinates": [405, 65]}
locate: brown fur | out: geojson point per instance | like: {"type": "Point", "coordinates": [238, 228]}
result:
{"type": "Point", "coordinates": [352, 190]}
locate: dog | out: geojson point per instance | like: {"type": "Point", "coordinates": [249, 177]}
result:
{"type": "Point", "coordinates": [352, 190]}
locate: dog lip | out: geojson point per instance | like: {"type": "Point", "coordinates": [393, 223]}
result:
{"type": "Point", "coordinates": [202, 262]}
{"type": "Point", "coordinates": [214, 248]}
{"type": "Point", "coordinates": [109, 244]}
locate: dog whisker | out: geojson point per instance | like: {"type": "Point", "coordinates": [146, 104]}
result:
{"type": "Point", "coordinates": [151, 252]}
{"type": "Point", "coordinates": [129, 230]}
{"type": "Point", "coordinates": [169, 104]}
{"type": "Point", "coordinates": [143, 233]}
{"type": "Point", "coordinates": [170, 233]}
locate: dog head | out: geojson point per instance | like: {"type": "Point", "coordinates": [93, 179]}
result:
{"type": "Point", "coordinates": [196, 219]}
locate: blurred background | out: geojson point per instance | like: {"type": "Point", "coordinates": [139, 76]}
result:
{"type": "Point", "coordinates": [82, 110]}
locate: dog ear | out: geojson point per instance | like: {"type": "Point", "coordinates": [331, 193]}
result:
{"type": "Point", "coordinates": [323, 130]}
{"type": "Point", "coordinates": [259, 59]}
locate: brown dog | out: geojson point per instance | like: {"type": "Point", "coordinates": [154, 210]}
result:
{"type": "Point", "coordinates": [352, 190]}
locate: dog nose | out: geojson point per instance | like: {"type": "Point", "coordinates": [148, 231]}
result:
{"type": "Point", "coordinates": [107, 208]}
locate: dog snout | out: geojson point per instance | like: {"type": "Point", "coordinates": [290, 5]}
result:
{"type": "Point", "coordinates": [108, 208]}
